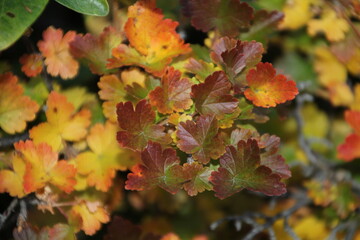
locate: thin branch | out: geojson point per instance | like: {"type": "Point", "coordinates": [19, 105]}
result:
{"type": "Point", "coordinates": [251, 219]}
{"type": "Point", "coordinates": [8, 211]}
{"type": "Point", "coordinates": [303, 142]}
{"type": "Point", "coordinates": [8, 141]}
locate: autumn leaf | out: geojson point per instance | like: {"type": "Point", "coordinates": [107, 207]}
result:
{"type": "Point", "coordinates": [200, 68]}
{"type": "Point", "coordinates": [15, 108]}
{"type": "Point", "coordinates": [226, 16]}
{"type": "Point", "coordinates": [329, 23]}
{"type": "Point", "coordinates": [89, 219]}
{"type": "Point", "coordinates": [146, 27]}
{"type": "Point", "coordinates": [173, 94]}
{"type": "Point", "coordinates": [240, 168]}
{"type": "Point", "coordinates": [330, 70]}
{"type": "Point", "coordinates": [12, 181]}
{"type": "Point", "coordinates": [138, 126]}
{"type": "Point", "coordinates": [297, 14]}
{"type": "Point", "coordinates": [32, 64]}
{"type": "Point", "coordinates": [266, 89]}
{"type": "Point", "coordinates": [350, 149]}
{"type": "Point", "coordinates": [63, 124]}
{"type": "Point", "coordinates": [43, 167]}
{"type": "Point", "coordinates": [55, 48]}
{"type": "Point", "coordinates": [212, 96]}
{"type": "Point", "coordinates": [353, 119]}
{"type": "Point", "coordinates": [95, 50]}
{"type": "Point", "coordinates": [100, 164]}
{"type": "Point", "coordinates": [159, 168]}
{"type": "Point", "coordinates": [197, 178]}
{"type": "Point", "coordinates": [269, 147]}
{"type": "Point", "coordinates": [200, 138]}
{"type": "Point", "coordinates": [355, 105]}
{"type": "Point", "coordinates": [236, 58]}
{"type": "Point", "coordinates": [112, 90]}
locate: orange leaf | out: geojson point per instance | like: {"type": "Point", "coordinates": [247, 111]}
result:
{"type": "Point", "coordinates": [12, 181]}
{"type": "Point", "coordinates": [174, 93]}
{"type": "Point", "coordinates": [32, 64]}
{"type": "Point", "coordinates": [43, 167]}
{"type": "Point", "coordinates": [62, 123]}
{"type": "Point", "coordinates": [15, 108]}
{"type": "Point", "coordinates": [266, 89]}
{"type": "Point", "coordinates": [353, 119]}
{"type": "Point", "coordinates": [55, 49]}
{"type": "Point", "coordinates": [100, 164]}
{"type": "Point", "coordinates": [154, 40]}
{"type": "Point", "coordinates": [89, 219]}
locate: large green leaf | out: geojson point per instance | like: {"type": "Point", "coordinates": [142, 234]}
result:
{"type": "Point", "coordinates": [15, 17]}
{"type": "Point", "coordinates": [89, 7]}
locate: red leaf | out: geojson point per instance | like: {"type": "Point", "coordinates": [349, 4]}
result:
{"type": "Point", "coordinates": [95, 50]}
{"type": "Point", "coordinates": [266, 89]}
{"type": "Point", "coordinates": [200, 139]}
{"type": "Point", "coordinates": [353, 119]}
{"type": "Point", "coordinates": [227, 16]}
{"type": "Point", "coordinates": [349, 150]}
{"type": "Point", "coordinates": [240, 168]}
{"type": "Point", "coordinates": [174, 93]}
{"type": "Point", "coordinates": [159, 168]}
{"type": "Point", "coordinates": [138, 125]}
{"type": "Point", "coordinates": [212, 96]}
{"type": "Point", "coordinates": [197, 178]}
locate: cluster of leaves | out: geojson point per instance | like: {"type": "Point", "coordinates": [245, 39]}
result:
{"type": "Point", "coordinates": [178, 116]}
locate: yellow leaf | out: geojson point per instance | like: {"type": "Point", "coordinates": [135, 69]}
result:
{"type": "Point", "coordinates": [297, 14]}
{"type": "Point", "coordinates": [353, 64]}
{"type": "Point", "coordinates": [100, 164]}
{"type": "Point", "coordinates": [355, 105]}
{"type": "Point", "coordinates": [62, 123]}
{"type": "Point", "coordinates": [12, 181]}
{"type": "Point", "coordinates": [89, 217]}
{"type": "Point", "coordinates": [328, 67]}
{"type": "Point", "coordinates": [330, 24]}
{"type": "Point", "coordinates": [15, 108]}
{"type": "Point", "coordinates": [340, 94]}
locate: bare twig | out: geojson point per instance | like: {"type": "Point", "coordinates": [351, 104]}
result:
{"type": "Point", "coordinates": [251, 219]}
{"type": "Point", "coordinates": [303, 142]}
{"type": "Point", "coordinates": [10, 140]}
{"type": "Point", "coordinates": [8, 211]}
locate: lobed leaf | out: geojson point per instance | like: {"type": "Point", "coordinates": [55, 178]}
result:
{"type": "Point", "coordinates": [159, 168]}
{"type": "Point", "coordinates": [96, 50]}
{"type": "Point", "coordinates": [212, 96]}
{"type": "Point", "coordinates": [99, 165]}
{"type": "Point", "coordinates": [226, 16]}
{"type": "Point", "coordinates": [146, 27]}
{"type": "Point", "coordinates": [15, 108]}
{"type": "Point", "coordinates": [56, 50]}
{"type": "Point", "coordinates": [62, 124]}
{"type": "Point", "coordinates": [240, 168]}
{"type": "Point", "coordinates": [32, 64]}
{"type": "Point", "coordinates": [197, 178]}
{"type": "Point", "coordinates": [138, 126]}
{"type": "Point", "coordinates": [43, 167]}
{"type": "Point", "coordinates": [200, 138]}
{"type": "Point", "coordinates": [266, 89]}
{"type": "Point", "coordinates": [173, 94]}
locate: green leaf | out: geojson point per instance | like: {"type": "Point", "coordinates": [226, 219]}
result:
{"type": "Point", "coordinates": [89, 7]}
{"type": "Point", "coordinates": [15, 17]}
